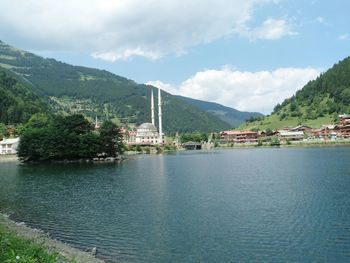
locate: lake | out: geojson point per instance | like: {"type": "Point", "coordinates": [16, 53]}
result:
{"type": "Point", "coordinates": [239, 205]}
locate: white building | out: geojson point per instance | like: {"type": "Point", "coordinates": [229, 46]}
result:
{"type": "Point", "coordinates": [147, 133]}
{"type": "Point", "coordinates": [9, 146]}
{"type": "Point", "coordinates": [291, 135]}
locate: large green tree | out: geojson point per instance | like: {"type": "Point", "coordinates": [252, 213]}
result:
{"type": "Point", "coordinates": [111, 138]}
{"type": "Point", "coordinates": [67, 138]}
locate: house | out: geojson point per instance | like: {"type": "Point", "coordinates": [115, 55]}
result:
{"type": "Point", "coordinates": [291, 135]}
{"type": "Point", "coordinates": [344, 119]}
{"type": "Point", "coordinates": [342, 130]}
{"type": "Point", "coordinates": [303, 128]}
{"type": "Point", "coordinates": [239, 136]}
{"type": "Point", "coordinates": [321, 133]}
{"type": "Point", "coordinates": [9, 146]}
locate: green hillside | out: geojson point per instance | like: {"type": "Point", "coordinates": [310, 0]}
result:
{"type": "Point", "coordinates": [232, 116]}
{"type": "Point", "coordinates": [17, 102]}
{"type": "Point", "coordinates": [319, 102]}
{"type": "Point", "coordinates": [93, 92]}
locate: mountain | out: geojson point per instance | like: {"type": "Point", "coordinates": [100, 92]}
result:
{"type": "Point", "coordinates": [319, 102]}
{"type": "Point", "coordinates": [231, 116]}
{"type": "Point", "coordinates": [17, 102]}
{"type": "Point", "coordinates": [92, 92]}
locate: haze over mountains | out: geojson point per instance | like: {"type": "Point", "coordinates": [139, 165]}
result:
{"type": "Point", "coordinates": [68, 89]}
{"type": "Point", "coordinates": [232, 116]}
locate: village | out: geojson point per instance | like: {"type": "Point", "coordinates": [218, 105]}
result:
{"type": "Point", "coordinates": [147, 136]}
{"type": "Point", "coordinates": [333, 132]}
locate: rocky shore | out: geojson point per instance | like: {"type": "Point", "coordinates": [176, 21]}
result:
{"type": "Point", "coordinates": [67, 252]}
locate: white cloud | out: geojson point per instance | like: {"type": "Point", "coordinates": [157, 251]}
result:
{"type": "Point", "coordinates": [113, 30]}
{"type": "Point", "coordinates": [270, 29]}
{"type": "Point", "coordinates": [247, 91]}
{"type": "Point", "coordinates": [344, 36]}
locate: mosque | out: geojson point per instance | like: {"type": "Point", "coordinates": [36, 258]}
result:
{"type": "Point", "coordinates": [147, 133]}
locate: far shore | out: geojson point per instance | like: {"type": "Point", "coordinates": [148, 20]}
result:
{"type": "Point", "coordinates": [37, 236]}
{"type": "Point", "coordinates": [294, 144]}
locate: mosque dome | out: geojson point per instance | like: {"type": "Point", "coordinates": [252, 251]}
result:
{"type": "Point", "coordinates": [147, 126]}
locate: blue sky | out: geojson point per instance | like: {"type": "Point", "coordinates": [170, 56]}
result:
{"type": "Point", "coordinates": [244, 54]}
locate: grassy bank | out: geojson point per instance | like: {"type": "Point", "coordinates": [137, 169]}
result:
{"type": "Point", "coordinates": [14, 249]}
{"type": "Point", "coordinates": [22, 244]}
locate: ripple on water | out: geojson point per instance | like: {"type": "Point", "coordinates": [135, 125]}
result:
{"type": "Point", "coordinates": [251, 205]}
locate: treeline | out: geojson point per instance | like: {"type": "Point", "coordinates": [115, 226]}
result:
{"type": "Point", "coordinates": [194, 137]}
{"type": "Point", "coordinates": [55, 138]}
{"type": "Point", "coordinates": [17, 102]}
{"type": "Point", "coordinates": [328, 94]}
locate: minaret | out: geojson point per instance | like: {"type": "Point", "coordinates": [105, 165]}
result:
{"type": "Point", "coordinates": [97, 126]}
{"type": "Point", "coordinates": [152, 106]}
{"type": "Point", "coordinates": [160, 117]}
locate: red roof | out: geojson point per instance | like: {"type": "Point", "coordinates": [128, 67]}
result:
{"type": "Point", "coordinates": [237, 132]}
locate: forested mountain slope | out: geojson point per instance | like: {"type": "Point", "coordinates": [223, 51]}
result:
{"type": "Point", "coordinates": [17, 102]}
{"type": "Point", "coordinates": [93, 92]}
{"type": "Point", "coordinates": [319, 102]}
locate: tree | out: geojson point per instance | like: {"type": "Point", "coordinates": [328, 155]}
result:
{"type": "Point", "coordinates": [3, 131]}
{"type": "Point", "coordinates": [111, 139]}
{"type": "Point", "coordinates": [38, 120]}
{"type": "Point", "coordinates": [74, 123]}
{"type": "Point", "coordinates": [268, 132]}
{"type": "Point", "coordinates": [69, 137]}
{"type": "Point", "coordinates": [293, 106]}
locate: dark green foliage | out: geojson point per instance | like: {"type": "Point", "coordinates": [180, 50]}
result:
{"type": "Point", "coordinates": [111, 96]}
{"type": "Point", "coordinates": [194, 137]}
{"type": "Point", "coordinates": [328, 94]}
{"type": "Point", "coordinates": [3, 131]}
{"type": "Point", "coordinates": [60, 138]}
{"type": "Point", "coordinates": [268, 132]}
{"type": "Point", "coordinates": [111, 139]}
{"type": "Point", "coordinates": [76, 124]}
{"type": "Point", "coordinates": [17, 102]}
{"type": "Point", "coordinates": [255, 118]}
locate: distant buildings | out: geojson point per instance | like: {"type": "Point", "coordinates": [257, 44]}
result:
{"type": "Point", "coordinates": [291, 135]}
{"type": "Point", "coordinates": [239, 136]}
{"type": "Point", "coordinates": [298, 133]}
{"type": "Point", "coordinates": [9, 146]}
{"type": "Point", "coordinates": [340, 130]}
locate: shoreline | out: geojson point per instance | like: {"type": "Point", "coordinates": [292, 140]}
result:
{"type": "Point", "coordinates": [124, 157]}
{"type": "Point", "coordinates": [297, 144]}
{"type": "Point", "coordinates": [38, 236]}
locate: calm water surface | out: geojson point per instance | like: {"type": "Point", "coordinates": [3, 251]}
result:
{"type": "Point", "coordinates": [246, 205]}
